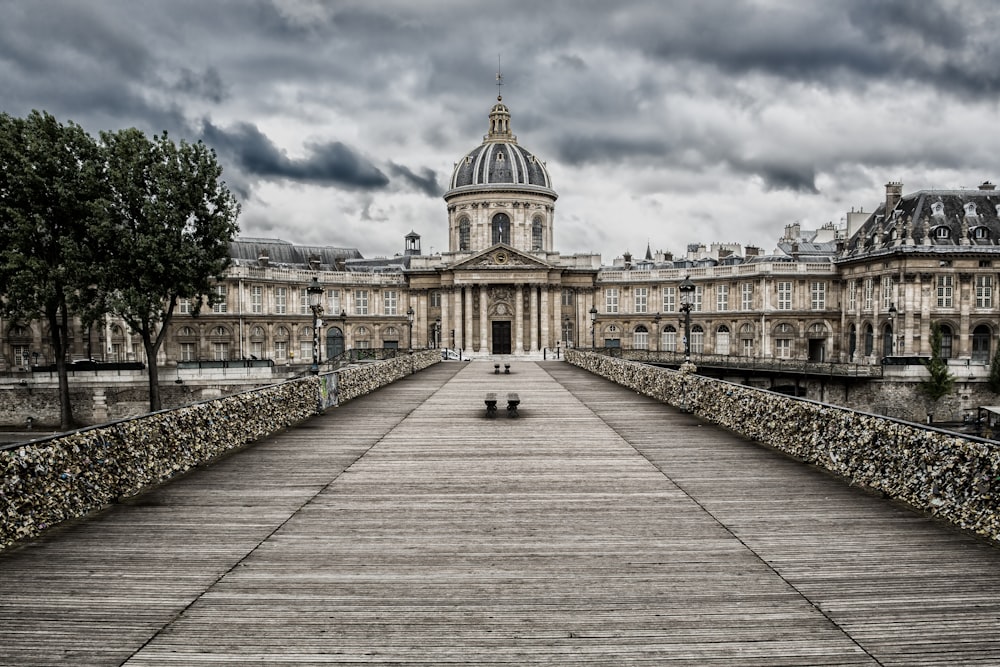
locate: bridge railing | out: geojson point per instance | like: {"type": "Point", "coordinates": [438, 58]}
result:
{"type": "Point", "coordinates": [789, 366]}
{"type": "Point", "coordinates": [955, 477]}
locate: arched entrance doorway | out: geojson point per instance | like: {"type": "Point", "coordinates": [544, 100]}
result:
{"type": "Point", "coordinates": [334, 342]}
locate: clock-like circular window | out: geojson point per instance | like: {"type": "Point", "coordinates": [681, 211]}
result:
{"type": "Point", "coordinates": [500, 257]}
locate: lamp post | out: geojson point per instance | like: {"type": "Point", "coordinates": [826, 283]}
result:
{"type": "Point", "coordinates": [686, 288]}
{"type": "Point", "coordinates": [892, 328]}
{"type": "Point", "coordinates": [315, 293]}
{"type": "Point", "coordinates": [437, 332]}
{"type": "Point", "coordinates": [656, 331]}
{"type": "Point", "coordinates": [593, 327]}
{"type": "Point", "coordinates": [409, 319]}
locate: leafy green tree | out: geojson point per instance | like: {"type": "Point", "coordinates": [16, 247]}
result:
{"type": "Point", "coordinates": [51, 194]}
{"type": "Point", "coordinates": [994, 380]}
{"type": "Point", "coordinates": [941, 381]}
{"type": "Point", "coordinates": [167, 234]}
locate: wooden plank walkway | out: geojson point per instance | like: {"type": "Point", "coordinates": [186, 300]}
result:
{"type": "Point", "coordinates": [597, 528]}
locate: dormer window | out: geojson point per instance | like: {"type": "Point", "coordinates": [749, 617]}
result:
{"type": "Point", "coordinates": [970, 210]}
{"type": "Point", "coordinates": [980, 233]}
{"type": "Point", "coordinates": [942, 233]}
{"type": "Point", "coordinates": [937, 208]}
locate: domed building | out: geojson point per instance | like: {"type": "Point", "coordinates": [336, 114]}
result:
{"type": "Point", "coordinates": [501, 288]}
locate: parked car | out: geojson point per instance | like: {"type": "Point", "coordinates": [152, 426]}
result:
{"type": "Point", "coordinates": [450, 355]}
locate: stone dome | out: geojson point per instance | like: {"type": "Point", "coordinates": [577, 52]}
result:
{"type": "Point", "coordinates": [499, 162]}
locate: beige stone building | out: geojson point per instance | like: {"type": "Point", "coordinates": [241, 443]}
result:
{"type": "Point", "coordinates": [853, 295]}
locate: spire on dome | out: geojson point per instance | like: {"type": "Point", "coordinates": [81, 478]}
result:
{"type": "Point", "coordinates": [500, 116]}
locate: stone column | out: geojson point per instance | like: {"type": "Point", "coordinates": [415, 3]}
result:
{"type": "Point", "coordinates": [483, 320]}
{"type": "Point", "coordinates": [456, 319]}
{"type": "Point", "coordinates": [533, 317]}
{"type": "Point", "coordinates": [546, 313]}
{"type": "Point", "coordinates": [469, 331]}
{"type": "Point", "coordinates": [445, 320]}
{"type": "Point", "coordinates": [519, 320]}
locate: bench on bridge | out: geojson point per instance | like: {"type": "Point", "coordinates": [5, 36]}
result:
{"type": "Point", "coordinates": [491, 404]}
{"type": "Point", "coordinates": [512, 402]}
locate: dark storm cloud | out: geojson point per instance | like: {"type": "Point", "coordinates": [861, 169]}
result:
{"type": "Point", "coordinates": [425, 181]}
{"type": "Point", "coordinates": [330, 163]}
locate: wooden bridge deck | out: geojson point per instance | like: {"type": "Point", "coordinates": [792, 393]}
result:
{"type": "Point", "coordinates": [598, 528]}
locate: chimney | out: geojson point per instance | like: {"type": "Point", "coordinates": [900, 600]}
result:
{"type": "Point", "coordinates": [893, 193]}
{"type": "Point", "coordinates": [986, 185]}
{"type": "Point", "coordinates": [628, 260]}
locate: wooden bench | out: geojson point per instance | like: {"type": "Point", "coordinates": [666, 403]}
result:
{"type": "Point", "coordinates": [512, 402]}
{"type": "Point", "coordinates": [491, 404]}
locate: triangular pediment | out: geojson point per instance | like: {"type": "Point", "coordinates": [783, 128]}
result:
{"type": "Point", "coordinates": [500, 257]}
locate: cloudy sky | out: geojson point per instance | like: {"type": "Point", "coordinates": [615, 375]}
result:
{"type": "Point", "coordinates": [662, 122]}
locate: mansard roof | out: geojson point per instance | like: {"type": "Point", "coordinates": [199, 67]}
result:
{"type": "Point", "coordinates": [932, 220]}
{"type": "Point", "coordinates": [248, 251]}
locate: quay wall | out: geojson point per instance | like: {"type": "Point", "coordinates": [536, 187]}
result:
{"type": "Point", "coordinates": [46, 482]}
{"type": "Point", "coordinates": [956, 478]}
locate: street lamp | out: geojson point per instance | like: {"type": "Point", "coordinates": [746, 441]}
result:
{"type": "Point", "coordinates": [686, 288]}
{"type": "Point", "coordinates": [437, 332]}
{"type": "Point", "coordinates": [409, 318]}
{"type": "Point", "coordinates": [315, 293]}
{"type": "Point", "coordinates": [593, 327]}
{"type": "Point", "coordinates": [892, 328]}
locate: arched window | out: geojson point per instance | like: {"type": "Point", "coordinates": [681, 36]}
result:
{"type": "Point", "coordinates": [869, 340]}
{"type": "Point", "coordinates": [501, 228]}
{"type": "Point", "coordinates": [640, 338]}
{"type": "Point", "coordinates": [981, 336]}
{"type": "Point", "coordinates": [852, 342]}
{"type": "Point", "coordinates": [464, 240]}
{"type": "Point", "coordinates": [668, 339]}
{"type": "Point", "coordinates": [783, 334]}
{"type": "Point", "coordinates": [942, 233]}
{"type": "Point", "coordinates": [946, 341]}
{"type": "Point", "coordinates": [722, 340]}
{"type": "Point", "coordinates": [536, 233]}
{"type": "Point", "coordinates": [567, 332]}
{"type": "Point", "coordinates": [746, 340]}
{"type": "Point", "coordinates": [887, 341]}
{"type": "Point", "coordinates": [697, 339]}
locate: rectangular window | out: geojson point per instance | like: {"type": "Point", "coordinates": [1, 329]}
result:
{"type": "Point", "coordinates": [888, 292]}
{"type": "Point", "coordinates": [256, 299]}
{"type": "Point", "coordinates": [390, 300]}
{"type": "Point", "coordinates": [669, 299]}
{"type": "Point", "coordinates": [360, 302]}
{"type": "Point", "coordinates": [817, 293]}
{"type": "Point", "coordinates": [333, 302]}
{"type": "Point", "coordinates": [984, 291]}
{"type": "Point", "coordinates": [305, 350]}
{"type": "Point", "coordinates": [435, 299]}
{"type": "Point", "coordinates": [567, 297]}
{"type": "Point", "coordinates": [22, 355]}
{"type": "Point", "coordinates": [184, 306]}
{"type": "Point", "coordinates": [945, 291]}
{"type": "Point", "coordinates": [256, 350]}
{"type": "Point", "coordinates": [746, 296]}
{"type": "Point", "coordinates": [220, 305]}
{"type": "Point", "coordinates": [304, 302]}
{"type": "Point", "coordinates": [641, 297]}
{"type": "Point", "coordinates": [611, 300]}
{"type": "Point", "coordinates": [187, 352]}
{"type": "Point", "coordinates": [784, 295]}
{"type": "Point", "coordinates": [221, 351]}
{"type": "Point", "coordinates": [280, 300]}
{"type": "Point", "coordinates": [783, 348]}
{"type": "Point", "coordinates": [852, 295]}
{"type": "Point", "coordinates": [722, 297]}
{"type": "Point", "coordinates": [281, 349]}
{"type": "Point", "coordinates": [699, 295]}
{"type": "Point", "coordinates": [868, 299]}
{"type": "Point", "coordinates": [697, 342]}
{"type": "Point", "coordinates": [748, 347]}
